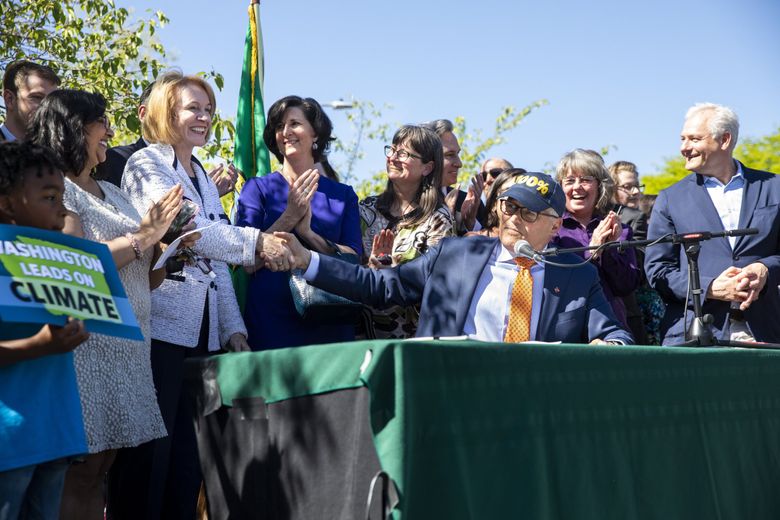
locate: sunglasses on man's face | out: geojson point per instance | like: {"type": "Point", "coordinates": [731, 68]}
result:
{"type": "Point", "coordinates": [493, 172]}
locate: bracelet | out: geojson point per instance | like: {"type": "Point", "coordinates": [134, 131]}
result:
{"type": "Point", "coordinates": [136, 246]}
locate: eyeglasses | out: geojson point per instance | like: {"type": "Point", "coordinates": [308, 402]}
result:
{"type": "Point", "coordinates": [493, 172]}
{"type": "Point", "coordinates": [401, 154]}
{"type": "Point", "coordinates": [585, 180]}
{"type": "Point", "coordinates": [631, 187]}
{"type": "Point", "coordinates": [509, 209]}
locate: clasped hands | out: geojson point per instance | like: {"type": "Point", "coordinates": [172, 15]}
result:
{"type": "Point", "coordinates": [737, 284]}
{"type": "Point", "coordinates": [282, 251]}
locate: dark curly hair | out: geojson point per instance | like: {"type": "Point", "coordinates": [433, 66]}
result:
{"type": "Point", "coordinates": [19, 159]}
{"type": "Point", "coordinates": [315, 115]}
{"type": "Point", "coordinates": [59, 124]}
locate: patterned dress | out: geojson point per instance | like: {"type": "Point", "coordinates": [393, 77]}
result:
{"type": "Point", "coordinates": [409, 243]}
{"type": "Point", "coordinates": [114, 375]}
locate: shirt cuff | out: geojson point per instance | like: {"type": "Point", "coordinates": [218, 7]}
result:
{"type": "Point", "coordinates": [314, 267]}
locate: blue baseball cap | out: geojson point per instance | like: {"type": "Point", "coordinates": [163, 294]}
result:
{"type": "Point", "coordinates": [537, 192]}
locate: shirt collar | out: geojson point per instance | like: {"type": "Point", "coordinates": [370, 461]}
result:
{"type": "Point", "coordinates": [504, 255]}
{"type": "Point", "coordinates": [570, 222]}
{"type": "Point", "coordinates": [737, 181]}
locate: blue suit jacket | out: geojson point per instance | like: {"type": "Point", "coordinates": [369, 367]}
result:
{"type": "Point", "coordinates": [687, 207]}
{"type": "Point", "coordinates": [574, 309]}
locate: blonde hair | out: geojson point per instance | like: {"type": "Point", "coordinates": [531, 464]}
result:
{"type": "Point", "coordinates": [159, 123]}
{"type": "Point", "coordinates": [589, 162]}
{"type": "Point", "coordinates": [621, 166]}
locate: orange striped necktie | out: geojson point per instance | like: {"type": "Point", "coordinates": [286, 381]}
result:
{"type": "Point", "coordinates": [519, 327]}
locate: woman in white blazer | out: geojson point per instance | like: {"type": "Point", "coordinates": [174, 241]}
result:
{"type": "Point", "coordinates": [194, 312]}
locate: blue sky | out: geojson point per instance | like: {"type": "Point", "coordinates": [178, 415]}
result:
{"type": "Point", "coordinates": [618, 73]}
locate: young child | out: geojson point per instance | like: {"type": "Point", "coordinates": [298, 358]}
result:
{"type": "Point", "coordinates": [40, 413]}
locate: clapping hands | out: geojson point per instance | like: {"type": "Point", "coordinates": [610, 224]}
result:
{"type": "Point", "coordinates": [300, 194]}
{"type": "Point", "coordinates": [468, 209]}
{"type": "Point", "coordinates": [158, 219]}
{"type": "Point", "coordinates": [382, 247]}
{"type": "Point", "coordinates": [608, 230]}
{"type": "Point", "coordinates": [225, 180]}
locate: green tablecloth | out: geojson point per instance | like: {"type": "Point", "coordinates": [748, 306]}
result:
{"type": "Point", "coordinates": [481, 431]}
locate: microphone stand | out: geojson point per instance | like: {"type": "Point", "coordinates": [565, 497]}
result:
{"type": "Point", "coordinates": [700, 333]}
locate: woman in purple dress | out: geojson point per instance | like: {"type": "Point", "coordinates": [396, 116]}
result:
{"type": "Point", "coordinates": [588, 220]}
{"type": "Point", "coordinates": [322, 213]}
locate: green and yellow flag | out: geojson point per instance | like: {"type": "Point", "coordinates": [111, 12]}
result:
{"type": "Point", "coordinates": [251, 155]}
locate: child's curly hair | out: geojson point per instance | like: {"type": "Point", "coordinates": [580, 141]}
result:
{"type": "Point", "coordinates": [18, 159]}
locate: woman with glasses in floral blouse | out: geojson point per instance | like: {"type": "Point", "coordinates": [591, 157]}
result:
{"type": "Point", "coordinates": [407, 218]}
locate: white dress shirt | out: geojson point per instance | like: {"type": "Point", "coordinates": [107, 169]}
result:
{"type": "Point", "coordinates": [488, 314]}
{"type": "Point", "coordinates": [727, 199]}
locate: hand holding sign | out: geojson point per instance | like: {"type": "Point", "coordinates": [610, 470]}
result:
{"type": "Point", "coordinates": [45, 277]}
{"type": "Point", "coordinates": [57, 340]}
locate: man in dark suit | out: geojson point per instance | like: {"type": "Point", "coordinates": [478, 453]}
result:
{"type": "Point", "coordinates": [466, 207]}
{"type": "Point", "coordinates": [739, 275]}
{"type": "Point", "coordinates": [465, 285]}
{"type": "Point", "coordinates": [113, 167]}
{"type": "Point", "coordinates": [25, 84]}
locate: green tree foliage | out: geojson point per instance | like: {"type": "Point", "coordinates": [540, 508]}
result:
{"type": "Point", "coordinates": [474, 146]}
{"type": "Point", "coordinates": [762, 153]}
{"type": "Point", "coordinates": [364, 119]}
{"type": "Point", "coordinates": [96, 46]}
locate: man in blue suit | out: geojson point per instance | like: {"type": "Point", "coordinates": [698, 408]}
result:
{"type": "Point", "coordinates": [465, 284]}
{"type": "Point", "coordinates": [739, 275]}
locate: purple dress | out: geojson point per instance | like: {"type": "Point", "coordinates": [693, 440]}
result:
{"type": "Point", "coordinates": [270, 316]}
{"type": "Point", "coordinates": [618, 272]}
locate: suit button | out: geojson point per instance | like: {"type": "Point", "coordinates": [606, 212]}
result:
{"type": "Point", "coordinates": [736, 257]}
{"type": "Point", "coordinates": [211, 216]}
{"type": "Point", "coordinates": [213, 285]}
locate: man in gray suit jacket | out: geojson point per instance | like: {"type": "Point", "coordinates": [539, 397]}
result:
{"type": "Point", "coordinates": [465, 284]}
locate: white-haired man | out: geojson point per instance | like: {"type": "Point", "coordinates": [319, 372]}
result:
{"type": "Point", "coordinates": [739, 275]}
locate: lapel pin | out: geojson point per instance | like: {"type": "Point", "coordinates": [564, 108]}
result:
{"type": "Point", "coordinates": [557, 290]}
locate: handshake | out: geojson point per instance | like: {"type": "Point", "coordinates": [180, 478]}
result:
{"type": "Point", "coordinates": [280, 251]}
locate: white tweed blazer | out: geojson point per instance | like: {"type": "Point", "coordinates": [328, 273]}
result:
{"type": "Point", "coordinates": [177, 305]}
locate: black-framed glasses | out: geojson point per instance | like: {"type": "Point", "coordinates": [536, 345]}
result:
{"type": "Point", "coordinates": [510, 208]}
{"type": "Point", "coordinates": [631, 187]}
{"type": "Point", "coordinates": [400, 153]}
{"type": "Point", "coordinates": [493, 172]}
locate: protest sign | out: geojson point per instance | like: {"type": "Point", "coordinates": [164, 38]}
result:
{"type": "Point", "coordinates": [47, 276]}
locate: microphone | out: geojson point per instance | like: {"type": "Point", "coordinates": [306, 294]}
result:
{"type": "Point", "coordinates": [524, 249]}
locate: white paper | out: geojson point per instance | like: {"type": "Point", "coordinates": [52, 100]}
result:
{"type": "Point", "coordinates": [174, 246]}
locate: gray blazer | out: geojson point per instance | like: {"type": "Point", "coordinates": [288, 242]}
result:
{"type": "Point", "coordinates": [177, 305]}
